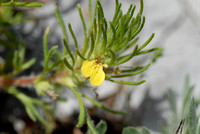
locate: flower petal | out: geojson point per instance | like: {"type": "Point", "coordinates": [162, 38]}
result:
{"type": "Point", "coordinates": [97, 76]}
{"type": "Point", "coordinates": [88, 67]}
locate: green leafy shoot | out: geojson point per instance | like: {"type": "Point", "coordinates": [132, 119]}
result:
{"type": "Point", "coordinates": [187, 121]}
{"type": "Point", "coordinates": [127, 82]}
{"type": "Point", "coordinates": [23, 4]}
{"type": "Point", "coordinates": [47, 53]}
{"type": "Point", "coordinates": [29, 105]}
{"type": "Point", "coordinates": [132, 73]}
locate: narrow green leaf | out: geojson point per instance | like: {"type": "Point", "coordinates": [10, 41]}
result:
{"type": "Point", "coordinates": [75, 41]}
{"type": "Point", "coordinates": [113, 35]}
{"type": "Point", "coordinates": [7, 3]}
{"type": "Point", "coordinates": [187, 94]}
{"type": "Point", "coordinates": [95, 10]}
{"type": "Point", "coordinates": [136, 24]}
{"type": "Point", "coordinates": [82, 113]}
{"type": "Point", "coordinates": [91, 125]}
{"type": "Point", "coordinates": [117, 21]}
{"type": "Point", "coordinates": [105, 24]}
{"type": "Point", "coordinates": [141, 6]}
{"type": "Point", "coordinates": [30, 114]}
{"type": "Point", "coordinates": [126, 58]}
{"type": "Point", "coordinates": [55, 64]}
{"type": "Point", "coordinates": [73, 35]}
{"type": "Point", "coordinates": [100, 9]}
{"type": "Point", "coordinates": [90, 15]}
{"type": "Point", "coordinates": [81, 56]}
{"type": "Point", "coordinates": [129, 10]}
{"type": "Point", "coordinates": [127, 82]}
{"type": "Point", "coordinates": [28, 64]}
{"type": "Point", "coordinates": [113, 57]}
{"type": "Point", "coordinates": [146, 43]}
{"type": "Point", "coordinates": [76, 44]}
{"type": "Point", "coordinates": [15, 60]}
{"type": "Point", "coordinates": [39, 117]}
{"type": "Point", "coordinates": [49, 55]}
{"type": "Point", "coordinates": [21, 55]}
{"type": "Point", "coordinates": [47, 59]}
{"type": "Point", "coordinates": [98, 104]}
{"type": "Point", "coordinates": [36, 101]}
{"type": "Point", "coordinates": [99, 31]}
{"type": "Point", "coordinates": [122, 28]}
{"type": "Point", "coordinates": [116, 2]}
{"type": "Point", "coordinates": [83, 21]}
{"type": "Point", "coordinates": [172, 102]}
{"type": "Point", "coordinates": [91, 46]}
{"type": "Point", "coordinates": [99, 17]}
{"type": "Point", "coordinates": [198, 126]}
{"type": "Point", "coordinates": [132, 73]}
{"type": "Point", "coordinates": [139, 30]}
{"type": "Point", "coordinates": [192, 117]}
{"type": "Point", "coordinates": [130, 44]}
{"type": "Point", "coordinates": [8, 62]}
{"type": "Point", "coordinates": [147, 51]}
{"type": "Point", "coordinates": [136, 68]}
{"type": "Point", "coordinates": [68, 50]}
{"type": "Point", "coordinates": [85, 46]}
{"type": "Point", "coordinates": [61, 22]}
{"type": "Point", "coordinates": [95, 28]}
{"type": "Point", "coordinates": [104, 43]}
{"type": "Point", "coordinates": [26, 4]}
{"type": "Point", "coordinates": [61, 99]}
{"type": "Point", "coordinates": [157, 54]}
{"type": "Point", "coordinates": [126, 39]}
{"type": "Point", "coordinates": [133, 10]}
{"type": "Point", "coordinates": [117, 10]}
{"type": "Point", "coordinates": [67, 64]}
{"type": "Point", "coordinates": [45, 43]}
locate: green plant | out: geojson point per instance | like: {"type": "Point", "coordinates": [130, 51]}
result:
{"type": "Point", "coordinates": [103, 52]}
{"type": "Point", "coordinates": [185, 121]}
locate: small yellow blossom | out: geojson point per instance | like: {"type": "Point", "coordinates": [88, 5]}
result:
{"type": "Point", "coordinates": [93, 70]}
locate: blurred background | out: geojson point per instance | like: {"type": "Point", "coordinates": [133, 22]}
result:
{"type": "Point", "coordinates": [176, 25]}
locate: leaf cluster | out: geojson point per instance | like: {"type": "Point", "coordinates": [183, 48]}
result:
{"type": "Point", "coordinates": [108, 40]}
{"type": "Point", "coordinates": [8, 18]}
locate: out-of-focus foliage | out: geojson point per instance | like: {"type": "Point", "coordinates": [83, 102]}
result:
{"type": "Point", "coordinates": [8, 18]}
{"type": "Point", "coordinates": [184, 121]}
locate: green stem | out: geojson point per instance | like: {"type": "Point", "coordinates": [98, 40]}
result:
{"type": "Point", "coordinates": [81, 107]}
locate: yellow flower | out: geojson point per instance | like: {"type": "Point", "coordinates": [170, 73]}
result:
{"type": "Point", "coordinates": [93, 70]}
